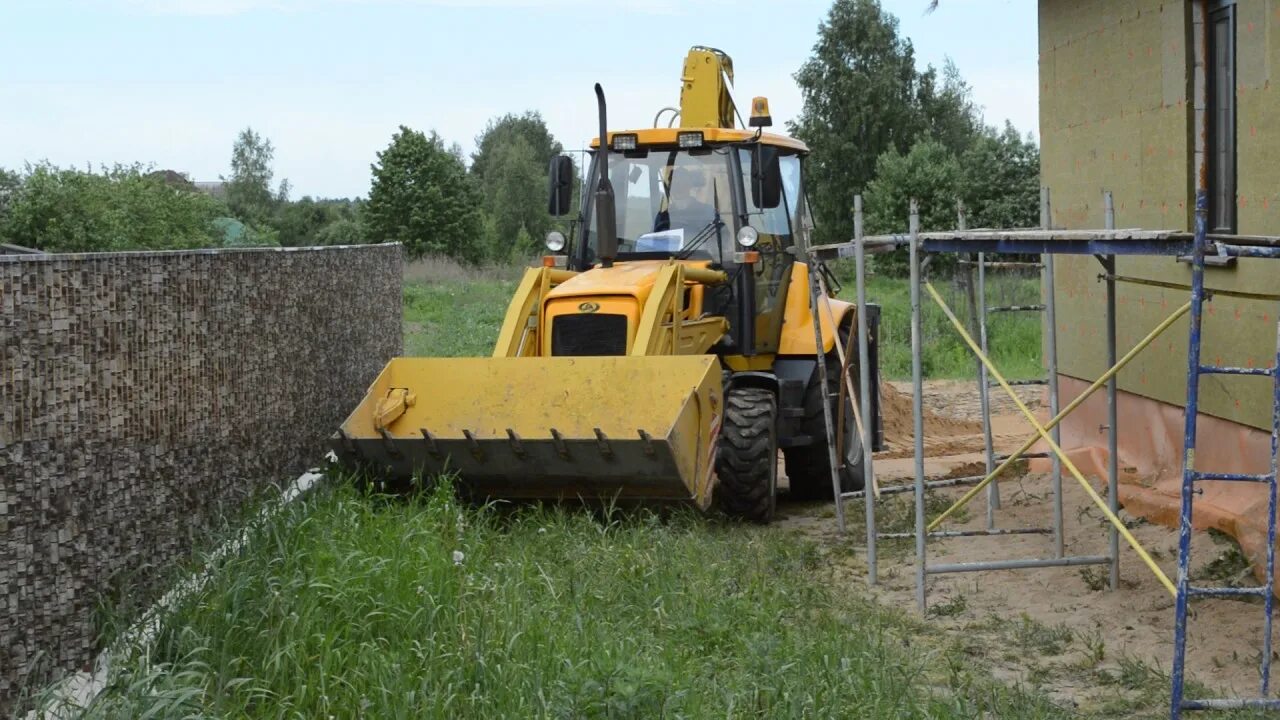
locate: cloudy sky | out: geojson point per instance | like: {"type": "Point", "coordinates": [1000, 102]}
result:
{"type": "Point", "coordinates": [170, 82]}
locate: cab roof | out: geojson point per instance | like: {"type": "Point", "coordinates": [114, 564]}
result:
{"type": "Point", "coordinates": [667, 136]}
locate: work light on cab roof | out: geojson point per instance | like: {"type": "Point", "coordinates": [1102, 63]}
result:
{"type": "Point", "coordinates": [666, 349]}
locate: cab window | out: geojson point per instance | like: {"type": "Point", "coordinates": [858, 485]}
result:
{"type": "Point", "coordinates": [773, 224]}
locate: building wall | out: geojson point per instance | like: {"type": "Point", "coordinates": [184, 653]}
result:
{"type": "Point", "coordinates": [1116, 114]}
{"type": "Point", "coordinates": [145, 395]}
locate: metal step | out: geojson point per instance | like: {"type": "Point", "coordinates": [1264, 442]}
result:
{"type": "Point", "coordinates": [1225, 592]}
{"type": "Point", "coordinates": [968, 533]}
{"type": "Point", "coordinates": [1215, 370]}
{"type": "Point", "coordinates": [894, 489]}
{"type": "Point", "coordinates": [1231, 477]}
{"type": "Point", "coordinates": [1015, 308]}
{"type": "Point", "coordinates": [1232, 704]}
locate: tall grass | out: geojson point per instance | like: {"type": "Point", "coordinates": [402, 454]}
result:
{"type": "Point", "coordinates": [347, 605]}
{"type": "Point", "coordinates": [439, 269]}
{"type": "Point", "coordinates": [1013, 338]}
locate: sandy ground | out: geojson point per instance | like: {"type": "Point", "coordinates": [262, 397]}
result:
{"type": "Point", "coordinates": [1110, 630]}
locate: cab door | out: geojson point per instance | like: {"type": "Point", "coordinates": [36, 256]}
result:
{"type": "Point", "coordinates": [778, 228]}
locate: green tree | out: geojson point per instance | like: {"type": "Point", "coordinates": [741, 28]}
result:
{"type": "Point", "coordinates": [10, 184]}
{"type": "Point", "coordinates": [858, 89]}
{"type": "Point", "coordinates": [120, 208]}
{"type": "Point", "coordinates": [1000, 180]}
{"type": "Point", "coordinates": [515, 197]}
{"type": "Point", "coordinates": [930, 173]}
{"type": "Point", "coordinates": [423, 197]}
{"type": "Point", "coordinates": [947, 112]}
{"type": "Point", "coordinates": [510, 166]}
{"type": "Point", "coordinates": [249, 193]}
{"type": "Point", "coordinates": [301, 222]}
{"type": "Point", "coordinates": [346, 231]}
{"type": "Point", "coordinates": [529, 127]}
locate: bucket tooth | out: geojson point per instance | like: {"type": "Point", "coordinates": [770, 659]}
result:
{"type": "Point", "coordinates": [346, 441]}
{"type": "Point", "coordinates": [473, 445]}
{"type": "Point", "coordinates": [432, 449]}
{"type": "Point", "coordinates": [648, 443]}
{"type": "Point", "coordinates": [517, 447]}
{"type": "Point", "coordinates": [602, 442]}
{"type": "Point", "coordinates": [389, 442]}
{"type": "Point", "coordinates": [558, 440]}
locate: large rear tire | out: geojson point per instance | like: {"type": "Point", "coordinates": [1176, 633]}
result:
{"type": "Point", "coordinates": [747, 455]}
{"type": "Point", "coordinates": [809, 466]}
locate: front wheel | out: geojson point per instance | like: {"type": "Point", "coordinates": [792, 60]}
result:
{"type": "Point", "coordinates": [747, 455]}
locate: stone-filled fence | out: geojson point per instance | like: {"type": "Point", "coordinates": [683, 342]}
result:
{"type": "Point", "coordinates": [143, 396]}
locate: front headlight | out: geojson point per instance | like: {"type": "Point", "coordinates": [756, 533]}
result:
{"type": "Point", "coordinates": [748, 236]}
{"type": "Point", "coordinates": [555, 241]}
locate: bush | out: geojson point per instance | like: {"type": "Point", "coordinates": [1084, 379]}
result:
{"type": "Point", "coordinates": [121, 208]}
{"type": "Point", "coordinates": [930, 174]}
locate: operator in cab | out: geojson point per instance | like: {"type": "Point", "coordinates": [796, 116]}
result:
{"type": "Point", "coordinates": [686, 206]}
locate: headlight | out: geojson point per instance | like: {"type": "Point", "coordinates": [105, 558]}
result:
{"type": "Point", "coordinates": [689, 139]}
{"type": "Point", "coordinates": [624, 142]}
{"type": "Point", "coordinates": [748, 236]}
{"type": "Point", "coordinates": [555, 241]}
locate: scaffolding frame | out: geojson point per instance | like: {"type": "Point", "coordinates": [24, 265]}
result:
{"type": "Point", "coordinates": [1105, 245]}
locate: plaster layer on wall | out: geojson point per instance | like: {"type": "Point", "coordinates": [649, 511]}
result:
{"type": "Point", "coordinates": [1150, 451]}
{"type": "Point", "coordinates": [143, 397]}
{"type": "Point", "coordinates": [1115, 88]}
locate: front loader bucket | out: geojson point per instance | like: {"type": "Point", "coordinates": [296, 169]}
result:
{"type": "Point", "coordinates": [545, 427]}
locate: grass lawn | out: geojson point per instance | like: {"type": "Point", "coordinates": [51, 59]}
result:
{"type": "Point", "coordinates": [461, 316]}
{"type": "Point", "coordinates": [345, 604]}
{"type": "Point", "coordinates": [1013, 338]}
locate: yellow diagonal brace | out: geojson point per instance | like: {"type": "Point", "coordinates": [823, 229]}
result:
{"type": "Point", "coordinates": [1044, 434]}
{"type": "Point", "coordinates": [1097, 384]}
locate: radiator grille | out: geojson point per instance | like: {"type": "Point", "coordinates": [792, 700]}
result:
{"type": "Point", "coordinates": [589, 334]}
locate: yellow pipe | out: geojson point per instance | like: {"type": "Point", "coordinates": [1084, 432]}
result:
{"type": "Point", "coordinates": [705, 275]}
{"type": "Point", "coordinates": [1066, 461]}
{"type": "Point", "coordinates": [557, 275]}
{"type": "Point", "coordinates": [1137, 349]}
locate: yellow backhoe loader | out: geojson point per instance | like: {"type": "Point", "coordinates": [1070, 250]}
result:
{"type": "Point", "coordinates": [665, 353]}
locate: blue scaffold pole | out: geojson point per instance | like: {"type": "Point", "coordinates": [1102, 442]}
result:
{"type": "Point", "coordinates": [1189, 455]}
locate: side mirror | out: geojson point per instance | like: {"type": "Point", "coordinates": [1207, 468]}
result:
{"type": "Point", "coordinates": [560, 184]}
{"type": "Point", "coordinates": [766, 177]}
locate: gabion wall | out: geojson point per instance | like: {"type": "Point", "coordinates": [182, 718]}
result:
{"type": "Point", "coordinates": [145, 395]}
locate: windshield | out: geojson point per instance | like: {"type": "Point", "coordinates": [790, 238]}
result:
{"type": "Point", "coordinates": [667, 202]}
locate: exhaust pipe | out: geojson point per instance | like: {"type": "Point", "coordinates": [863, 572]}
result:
{"type": "Point", "coordinates": [606, 211]}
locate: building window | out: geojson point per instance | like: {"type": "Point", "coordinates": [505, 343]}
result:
{"type": "Point", "coordinates": [1222, 117]}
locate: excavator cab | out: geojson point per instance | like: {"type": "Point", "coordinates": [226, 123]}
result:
{"type": "Point", "coordinates": [667, 350]}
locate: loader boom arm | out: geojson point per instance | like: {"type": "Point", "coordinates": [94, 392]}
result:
{"type": "Point", "coordinates": [704, 92]}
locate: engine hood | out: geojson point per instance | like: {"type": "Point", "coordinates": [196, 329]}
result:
{"type": "Point", "coordinates": [633, 278]}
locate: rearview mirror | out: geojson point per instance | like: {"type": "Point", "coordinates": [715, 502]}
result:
{"type": "Point", "coordinates": [766, 177]}
{"type": "Point", "coordinates": [560, 184]}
